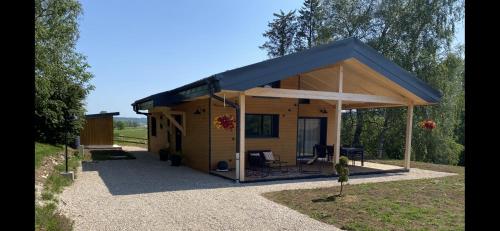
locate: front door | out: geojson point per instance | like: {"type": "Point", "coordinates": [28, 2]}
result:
{"type": "Point", "coordinates": [311, 131]}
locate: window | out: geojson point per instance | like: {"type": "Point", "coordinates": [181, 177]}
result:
{"type": "Point", "coordinates": [304, 101]}
{"type": "Point", "coordinates": [261, 126]}
{"type": "Point", "coordinates": [153, 126]}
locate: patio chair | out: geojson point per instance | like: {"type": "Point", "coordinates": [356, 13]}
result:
{"type": "Point", "coordinates": [256, 162]}
{"type": "Point", "coordinates": [320, 151]}
{"type": "Point", "coordinates": [320, 156]}
{"type": "Point", "coordinates": [273, 161]}
{"type": "Point", "coordinates": [329, 152]}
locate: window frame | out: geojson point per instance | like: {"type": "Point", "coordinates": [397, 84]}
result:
{"type": "Point", "coordinates": [274, 126]}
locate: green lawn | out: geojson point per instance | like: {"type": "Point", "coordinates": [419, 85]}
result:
{"type": "Point", "coordinates": [426, 204]}
{"type": "Point", "coordinates": [43, 150]}
{"type": "Point", "coordinates": [137, 132]}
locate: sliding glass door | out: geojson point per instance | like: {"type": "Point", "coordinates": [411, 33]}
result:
{"type": "Point", "coordinates": [311, 131]}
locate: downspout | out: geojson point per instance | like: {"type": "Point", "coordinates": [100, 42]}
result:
{"type": "Point", "coordinates": [237, 108]}
{"type": "Point", "coordinates": [210, 89]}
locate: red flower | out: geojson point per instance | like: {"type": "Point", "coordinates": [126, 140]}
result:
{"type": "Point", "coordinates": [428, 124]}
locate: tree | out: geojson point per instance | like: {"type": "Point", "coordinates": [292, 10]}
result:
{"type": "Point", "coordinates": [443, 144]}
{"type": "Point", "coordinates": [120, 125]}
{"type": "Point", "coordinates": [309, 23]}
{"type": "Point", "coordinates": [61, 74]}
{"type": "Point", "coordinates": [280, 34]}
{"type": "Point", "coordinates": [417, 36]}
{"type": "Point", "coordinates": [342, 171]}
{"type": "Point", "coordinates": [348, 18]}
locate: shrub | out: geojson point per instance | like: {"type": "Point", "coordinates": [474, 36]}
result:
{"type": "Point", "coordinates": [47, 218]}
{"type": "Point", "coordinates": [342, 171]}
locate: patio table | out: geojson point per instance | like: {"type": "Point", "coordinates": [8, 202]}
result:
{"type": "Point", "coordinates": [350, 152]}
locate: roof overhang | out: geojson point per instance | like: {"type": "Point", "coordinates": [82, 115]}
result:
{"type": "Point", "coordinates": [258, 74]}
{"type": "Point", "coordinates": [108, 114]}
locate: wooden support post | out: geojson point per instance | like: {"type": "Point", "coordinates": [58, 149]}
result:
{"type": "Point", "coordinates": [184, 122]}
{"type": "Point", "coordinates": [174, 122]}
{"type": "Point", "coordinates": [242, 137]}
{"type": "Point", "coordinates": [338, 117]}
{"type": "Point", "coordinates": [409, 125]}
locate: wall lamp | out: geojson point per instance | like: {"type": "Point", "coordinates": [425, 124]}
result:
{"type": "Point", "coordinates": [199, 111]}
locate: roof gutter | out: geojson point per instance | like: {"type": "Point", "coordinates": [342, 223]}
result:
{"type": "Point", "coordinates": [138, 112]}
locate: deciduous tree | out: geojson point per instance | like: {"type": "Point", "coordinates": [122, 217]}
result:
{"type": "Point", "coordinates": [61, 74]}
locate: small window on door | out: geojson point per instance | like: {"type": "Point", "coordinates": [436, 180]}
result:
{"type": "Point", "coordinates": [153, 126]}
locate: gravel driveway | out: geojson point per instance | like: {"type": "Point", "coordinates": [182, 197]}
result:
{"type": "Point", "coordinates": [147, 194]}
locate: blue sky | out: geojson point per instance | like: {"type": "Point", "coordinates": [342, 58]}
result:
{"type": "Point", "coordinates": [139, 48]}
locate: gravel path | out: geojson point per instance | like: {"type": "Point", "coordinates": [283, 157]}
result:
{"type": "Point", "coordinates": [147, 194]}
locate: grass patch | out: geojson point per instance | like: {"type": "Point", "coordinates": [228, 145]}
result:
{"type": "Point", "coordinates": [139, 132]}
{"type": "Point", "coordinates": [46, 195]}
{"type": "Point", "coordinates": [424, 165]}
{"type": "Point", "coordinates": [55, 182]}
{"type": "Point", "coordinates": [43, 150]}
{"type": "Point", "coordinates": [425, 204]}
{"type": "Point", "coordinates": [47, 218]}
{"type": "Point", "coordinates": [131, 133]}
{"type": "Point", "coordinates": [110, 155]}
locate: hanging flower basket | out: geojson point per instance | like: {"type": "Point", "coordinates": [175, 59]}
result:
{"type": "Point", "coordinates": [427, 124]}
{"type": "Point", "coordinates": [227, 122]}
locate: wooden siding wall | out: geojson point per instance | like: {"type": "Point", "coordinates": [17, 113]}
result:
{"type": "Point", "coordinates": [195, 142]}
{"type": "Point", "coordinates": [97, 131]}
{"type": "Point", "coordinates": [223, 142]}
{"type": "Point", "coordinates": [160, 140]}
{"type": "Point", "coordinates": [286, 144]}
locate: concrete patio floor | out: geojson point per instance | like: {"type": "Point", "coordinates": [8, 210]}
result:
{"type": "Point", "coordinates": [315, 170]}
{"type": "Point", "coordinates": [148, 194]}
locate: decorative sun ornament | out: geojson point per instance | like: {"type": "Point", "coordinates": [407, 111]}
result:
{"type": "Point", "coordinates": [226, 122]}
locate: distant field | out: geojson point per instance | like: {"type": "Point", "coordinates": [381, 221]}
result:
{"type": "Point", "coordinates": [138, 132]}
{"type": "Point", "coordinates": [130, 133]}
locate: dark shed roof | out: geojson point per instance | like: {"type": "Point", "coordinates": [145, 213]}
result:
{"type": "Point", "coordinates": [109, 114]}
{"type": "Point", "coordinates": [271, 70]}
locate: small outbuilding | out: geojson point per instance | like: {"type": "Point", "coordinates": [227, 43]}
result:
{"type": "Point", "coordinates": [98, 129]}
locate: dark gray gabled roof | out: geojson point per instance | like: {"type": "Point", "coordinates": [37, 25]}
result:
{"type": "Point", "coordinates": [280, 68]}
{"type": "Point", "coordinates": [107, 114]}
